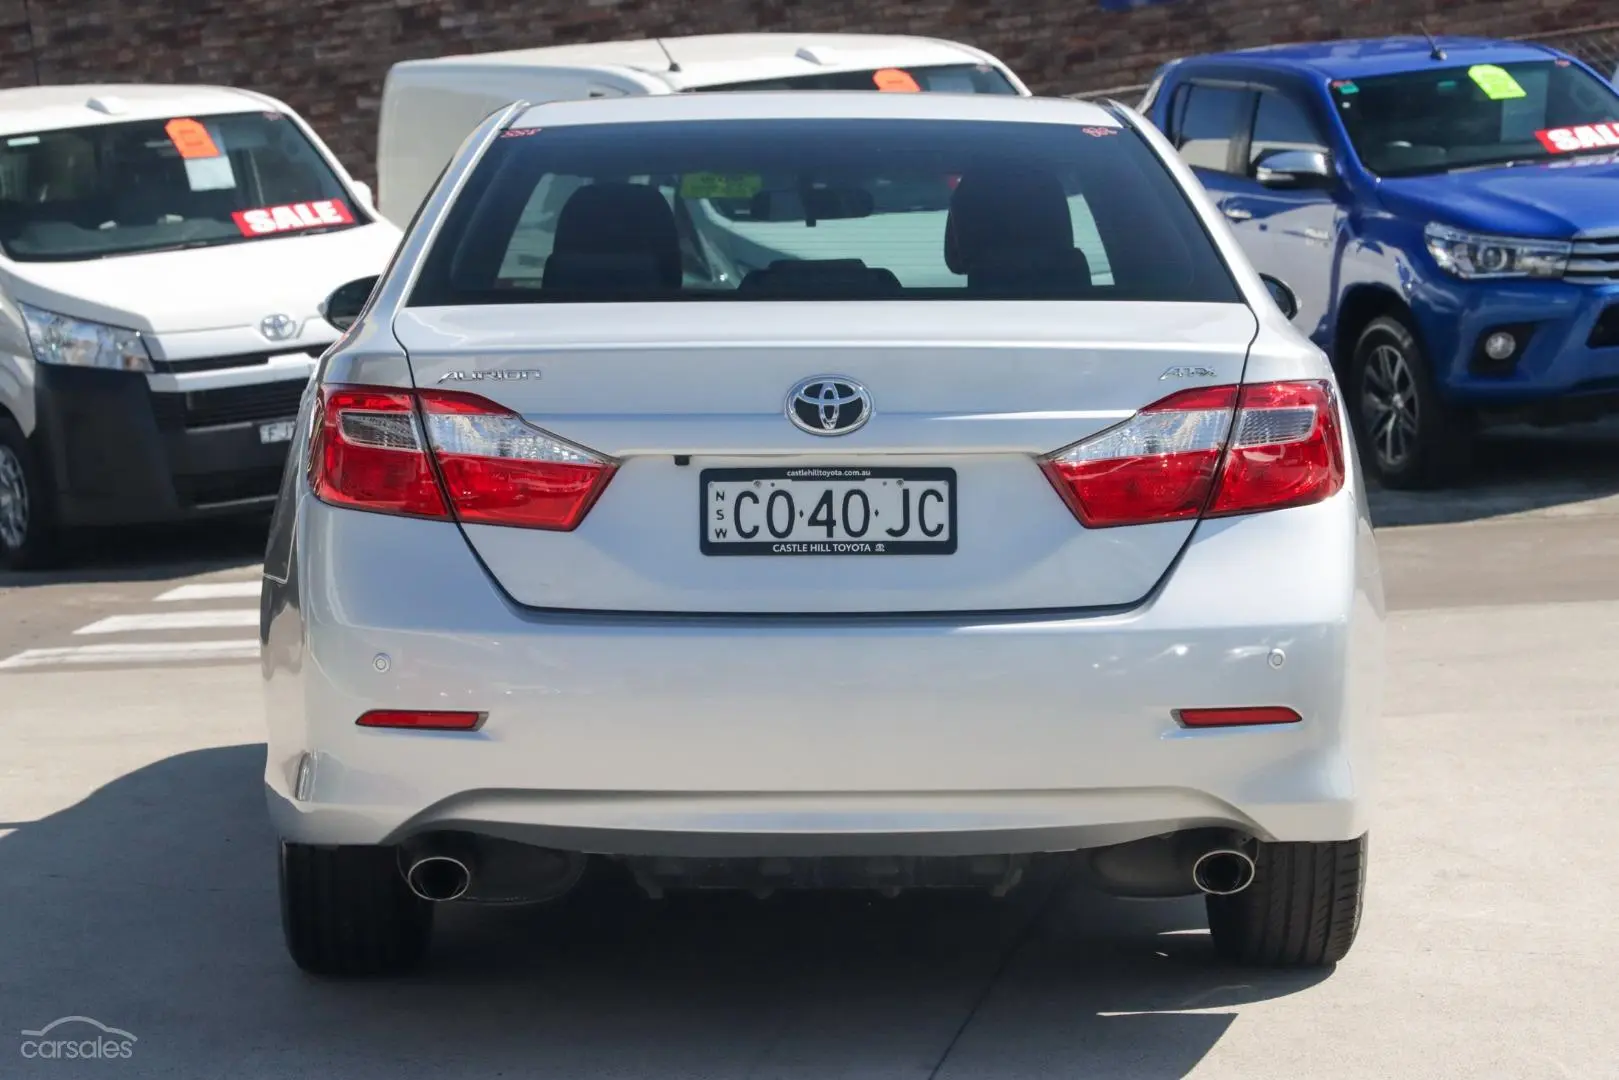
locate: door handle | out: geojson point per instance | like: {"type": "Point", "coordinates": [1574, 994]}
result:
{"type": "Point", "coordinates": [1238, 215]}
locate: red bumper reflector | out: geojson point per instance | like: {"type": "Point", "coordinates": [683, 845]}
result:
{"type": "Point", "coordinates": [421, 721]}
{"type": "Point", "coordinates": [1240, 717]}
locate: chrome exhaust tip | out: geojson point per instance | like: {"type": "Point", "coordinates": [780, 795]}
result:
{"type": "Point", "coordinates": [1223, 872]}
{"type": "Point", "coordinates": [439, 878]}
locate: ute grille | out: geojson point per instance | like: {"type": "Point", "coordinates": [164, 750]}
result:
{"type": "Point", "coordinates": [1595, 258]}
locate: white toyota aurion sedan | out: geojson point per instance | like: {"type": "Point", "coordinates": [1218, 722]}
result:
{"type": "Point", "coordinates": [861, 490]}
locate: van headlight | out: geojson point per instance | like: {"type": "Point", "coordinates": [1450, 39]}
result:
{"type": "Point", "coordinates": [1471, 255]}
{"type": "Point", "coordinates": [59, 339]}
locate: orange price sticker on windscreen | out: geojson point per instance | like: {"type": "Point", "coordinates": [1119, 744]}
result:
{"type": "Point", "coordinates": [190, 138]}
{"type": "Point", "coordinates": [895, 81]}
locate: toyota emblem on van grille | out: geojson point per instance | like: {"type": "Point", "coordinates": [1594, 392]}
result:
{"type": "Point", "coordinates": [829, 405]}
{"type": "Point", "coordinates": [278, 327]}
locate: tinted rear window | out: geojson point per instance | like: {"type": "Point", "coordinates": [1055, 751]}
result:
{"type": "Point", "coordinates": [821, 209]}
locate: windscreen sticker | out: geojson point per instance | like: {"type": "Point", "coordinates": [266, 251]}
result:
{"type": "Point", "coordinates": [720, 185]}
{"type": "Point", "coordinates": [895, 81]}
{"type": "Point", "coordinates": [210, 174]}
{"type": "Point", "coordinates": [1100, 132]}
{"type": "Point", "coordinates": [1584, 137]}
{"type": "Point", "coordinates": [190, 138]}
{"type": "Point", "coordinates": [1344, 86]}
{"type": "Point", "coordinates": [519, 133]}
{"type": "Point", "coordinates": [291, 217]}
{"type": "Point", "coordinates": [1496, 82]}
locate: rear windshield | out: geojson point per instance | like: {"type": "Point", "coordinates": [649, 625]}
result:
{"type": "Point", "coordinates": [1441, 119]}
{"type": "Point", "coordinates": [148, 185]}
{"type": "Point", "coordinates": [934, 79]}
{"type": "Point", "coordinates": [821, 209]}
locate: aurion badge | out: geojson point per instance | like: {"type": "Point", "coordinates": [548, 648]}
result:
{"type": "Point", "coordinates": [829, 405]}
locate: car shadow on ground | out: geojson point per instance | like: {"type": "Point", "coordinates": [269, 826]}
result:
{"type": "Point", "coordinates": [150, 907]}
{"type": "Point", "coordinates": [1567, 471]}
{"type": "Point", "coordinates": [151, 553]}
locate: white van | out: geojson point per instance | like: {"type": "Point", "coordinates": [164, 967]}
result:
{"type": "Point", "coordinates": [429, 106]}
{"type": "Point", "coordinates": [163, 254]}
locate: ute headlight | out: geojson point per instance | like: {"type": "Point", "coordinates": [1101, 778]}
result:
{"type": "Point", "coordinates": [1471, 255]}
{"type": "Point", "coordinates": [60, 339]}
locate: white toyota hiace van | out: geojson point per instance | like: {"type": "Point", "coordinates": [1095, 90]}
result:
{"type": "Point", "coordinates": [429, 106]}
{"type": "Point", "coordinates": [163, 253]}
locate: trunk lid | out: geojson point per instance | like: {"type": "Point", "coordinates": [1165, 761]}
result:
{"type": "Point", "coordinates": [964, 399]}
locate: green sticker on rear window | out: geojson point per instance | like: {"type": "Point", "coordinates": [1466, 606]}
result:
{"type": "Point", "coordinates": [1496, 82]}
{"type": "Point", "coordinates": [720, 185]}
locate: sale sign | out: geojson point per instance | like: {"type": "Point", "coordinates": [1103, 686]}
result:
{"type": "Point", "coordinates": [291, 217]}
{"type": "Point", "coordinates": [1585, 137]}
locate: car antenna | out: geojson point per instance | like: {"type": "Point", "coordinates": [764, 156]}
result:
{"type": "Point", "coordinates": [1438, 53]}
{"type": "Point", "coordinates": [672, 65]}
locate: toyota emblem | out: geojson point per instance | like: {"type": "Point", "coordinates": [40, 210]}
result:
{"type": "Point", "coordinates": [829, 405]}
{"type": "Point", "coordinates": [278, 327]}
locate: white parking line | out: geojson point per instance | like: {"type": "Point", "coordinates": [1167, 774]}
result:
{"type": "Point", "coordinates": [144, 652]}
{"type": "Point", "coordinates": [222, 590]}
{"type": "Point", "coordinates": [173, 620]}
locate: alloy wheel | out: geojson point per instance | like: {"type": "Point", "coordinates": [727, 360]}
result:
{"type": "Point", "coordinates": [1390, 407]}
{"type": "Point", "coordinates": [13, 500]}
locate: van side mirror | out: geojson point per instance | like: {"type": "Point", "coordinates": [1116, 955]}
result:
{"type": "Point", "coordinates": [1293, 168]}
{"type": "Point", "coordinates": [368, 198]}
{"type": "Point", "coordinates": [1284, 296]}
{"type": "Point", "coordinates": [342, 309]}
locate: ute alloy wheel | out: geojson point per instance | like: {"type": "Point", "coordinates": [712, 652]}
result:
{"type": "Point", "coordinates": [1391, 406]}
{"type": "Point", "coordinates": [1409, 437]}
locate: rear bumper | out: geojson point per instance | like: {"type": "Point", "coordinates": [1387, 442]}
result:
{"type": "Point", "coordinates": [750, 737]}
{"type": "Point", "coordinates": [120, 454]}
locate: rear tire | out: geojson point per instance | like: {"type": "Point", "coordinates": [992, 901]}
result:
{"type": "Point", "coordinates": [1409, 437]}
{"type": "Point", "coordinates": [348, 911]}
{"type": "Point", "coordinates": [28, 535]}
{"type": "Point", "coordinates": [1302, 910]}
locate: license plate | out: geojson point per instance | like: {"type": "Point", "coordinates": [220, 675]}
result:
{"type": "Point", "coordinates": [828, 511]}
{"type": "Point", "coordinates": [277, 431]}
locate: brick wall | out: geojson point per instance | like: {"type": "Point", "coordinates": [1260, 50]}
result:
{"type": "Point", "coordinates": [326, 58]}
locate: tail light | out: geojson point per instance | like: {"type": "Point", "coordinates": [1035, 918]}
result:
{"type": "Point", "coordinates": [1215, 451]}
{"type": "Point", "coordinates": [447, 455]}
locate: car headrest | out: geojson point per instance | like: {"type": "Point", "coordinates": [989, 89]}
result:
{"type": "Point", "coordinates": [606, 225]}
{"type": "Point", "coordinates": [994, 212]}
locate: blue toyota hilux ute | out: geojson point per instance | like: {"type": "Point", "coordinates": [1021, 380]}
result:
{"type": "Point", "coordinates": [1446, 213]}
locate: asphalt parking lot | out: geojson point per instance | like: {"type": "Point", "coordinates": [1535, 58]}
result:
{"type": "Point", "coordinates": [137, 872]}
